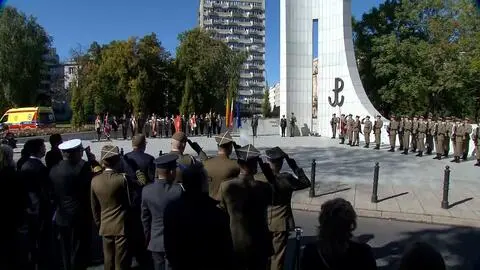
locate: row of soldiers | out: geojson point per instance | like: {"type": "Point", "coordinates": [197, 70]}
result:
{"type": "Point", "coordinates": [415, 133]}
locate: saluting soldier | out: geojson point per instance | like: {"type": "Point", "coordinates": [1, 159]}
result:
{"type": "Point", "coordinates": [429, 135]}
{"type": "Point", "coordinates": [421, 134]}
{"type": "Point", "coordinates": [439, 131]}
{"type": "Point", "coordinates": [377, 130]}
{"type": "Point", "coordinates": [448, 136]}
{"type": "Point", "coordinates": [458, 136]}
{"type": "Point", "coordinates": [246, 202]}
{"type": "Point", "coordinates": [414, 135]}
{"type": "Point", "coordinates": [179, 143]}
{"type": "Point", "coordinates": [476, 140]}
{"type": "Point", "coordinates": [367, 129]}
{"type": "Point", "coordinates": [357, 128]}
{"type": "Point", "coordinates": [221, 168]}
{"type": "Point", "coordinates": [392, 132]}
{"type": "Point", "coordinates": [466, 144]}
{"type": "Point", "coordinates": [280, 215]}
{"type": "Point", "coordinates": [400, 132]}
{"type": "Point", "coordinates": [334, 124]}
{"type": "Point", "coordinates": [343, 129]}
{"type": "Point", "coordinates": [407, 131]}
{"type": "Point", "coordinates": [350, 123]}
{"type": "Point", "coordinates": [293, 122]}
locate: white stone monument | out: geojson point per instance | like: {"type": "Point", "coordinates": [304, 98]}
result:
{"type": "Point", "coordinates": [340, 89]}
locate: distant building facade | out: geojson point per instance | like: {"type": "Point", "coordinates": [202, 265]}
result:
{"type": "Point", "coordinates": [241, 25]}
{"type": "Point", "coordinates": [274, 96]}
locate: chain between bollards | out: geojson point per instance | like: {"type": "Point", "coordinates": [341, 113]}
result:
{"type": "Point", "coordinates": [312, 178]}
{"type": "Point", "coordinates": [446, 186]}
{"type": "Point", "coordinates": [375, 183]}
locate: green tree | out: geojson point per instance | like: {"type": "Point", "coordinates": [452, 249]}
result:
{"type": "Point", "coordinates": [23, 44]}
{"type": "Point", "coordinates": [266, 108]}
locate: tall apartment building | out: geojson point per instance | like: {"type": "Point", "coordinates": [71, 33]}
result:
{"type": "Point", "coordinates": [241, 25]}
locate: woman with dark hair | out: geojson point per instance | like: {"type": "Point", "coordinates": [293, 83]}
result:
{"type": "Point", "coordinates": [334, 248]}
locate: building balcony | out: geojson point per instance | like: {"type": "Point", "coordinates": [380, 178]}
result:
{"type": "Point", "coordinates": [245, 92]}
{"type": "Point", "coordinates": [248, 7]}
{"type": "Point", "coordinates": [246, 75]}
{"type": "Point", "coordinates": [208, 22]}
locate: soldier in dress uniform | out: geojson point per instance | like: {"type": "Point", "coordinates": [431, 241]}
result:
{"type": "Point", "coordinates": [350, 123]}
{"type": "Point", "coordinates": [333, 124]}
{"type": "Point", "coordinates": [221, 168]}
{"type": "Point", "coordinates": [476, 140]}
{"type": "Point", "coordinates": [293, 122]}
{"type": "Point", "coordinates": [357, 128]}
{"type": "Point", "coordinates": [246, 202]}
{"type": "Point", "coordinates": [283, 125]}
{"type": "Point", "coordinates": [448, 136]}
{"type": "Point", "coordinates": [414, 142]}
{"type": "Point", "coordinates": [400, 132]}
{"type": "Point", "coordinates": [429, 136]}
{"type": "Point", "coordinates": [466, 144]}
{"type": "Point", "coordinates": [343, 128]}
{"type": "Point", "coordinates": [421, 134]}
{"type": "Point", "coordinates": [280, 216]}
{"type": "Point", "coordinates": [407, 131]}
{"type": "Point", "coordinates": [110, 200]}
{"type": "Point", "coordinates": [377, 130]}
{"type": "Point", "coordinates": [367, 129]}
{"type": "Point", "coordinates": [392, 129]}
{"type": "Point", "coordinates": [458, 138]}
{"type": "Point", "coordinates": [439, 131]}
{"type": "Point", "coordinates": [179, 143]}
{"type": "Point", "coordinates": [155, 198]}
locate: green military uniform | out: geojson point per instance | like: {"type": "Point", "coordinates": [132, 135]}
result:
{"type": "Point", "coordinates": [440, 131]}
{"type": "Point", "coordinates": [357, 126]}
{"type": "Point", "coordinates": [221, 168]}
{"type": "Point", "coordinates": [448, 137]}
{"type": "Point", "coordinates": [459, 135]}
{"type": "Point", "coordinates": [421, 134]}
{"type": "Point", "coordinates": [407, 131]}
{"type": "Point", "coordinates": [429, 137]}
{"type": "Point", "coordinates": [367, 129]}
{"type": "Point", "coordinates": [185, 160]}
{"type": "Point", "coordinates": [342, 123]}
{"type": "Point", "coordinates": [280, 216]}
{"type": "Point", "coordinates": [392, 129]}
{"type": "Point", "coordinates": [466, 144]}
{"type": "Point", "coordinates": [377, 130]}
{"type": "Point", "coordinates": [400, 132]}
{"type": "Point", "coordinates": [414, 135]}
{"type": "Point", "coordinates": [334, 123]}
{"type": "Point", "coordinates": [476, 140]}
{"type": "Point", "coordinates": [350, 123]}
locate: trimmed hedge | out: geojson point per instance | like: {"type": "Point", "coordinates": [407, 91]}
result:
{"type": "Point", "coordinates": [50, 131]}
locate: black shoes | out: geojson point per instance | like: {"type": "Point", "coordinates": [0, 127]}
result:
{"type": "Point", "coordinates": [420, 154]}
{"type": "Point", "coordinates": [392, 149]}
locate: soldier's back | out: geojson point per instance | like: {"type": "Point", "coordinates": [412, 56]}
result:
{"type": "Point", "coordinates": [220, 169]}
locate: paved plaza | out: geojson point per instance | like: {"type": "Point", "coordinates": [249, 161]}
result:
{"type": "Point", "coordinates": [410, 187]}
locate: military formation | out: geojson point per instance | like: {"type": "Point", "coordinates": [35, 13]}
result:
{"type": "Point", "coordinates": [413, 134]}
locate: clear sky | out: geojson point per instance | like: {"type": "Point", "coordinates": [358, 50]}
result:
{"type": "Point", "coordinates": [74, 23]}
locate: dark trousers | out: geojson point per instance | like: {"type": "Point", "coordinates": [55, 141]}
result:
{"type": "Point", "coordinates": [279, 241]}
{"type": "Point", "coordinates": [209, 132]}
{"type": "Point", "coordinates": [283, 131]}
{"type": "Point", "coordinates": [136, 243]}
{"type": "Point", "coordinates": [124, 132]}
{"type": "Point", "coordinates": [201, 129]}
{"type": "Point", "coordinates": [292, 130]}
{"type": "Point", "coordinates": [115, 253]}
{"type": "Point", "coordinates": [99, 134]}
{"type": "Point", "coordinates": [219, 129]}
{"type": "Point", "coordinates": [74, 246]}
{"type": "Point", "coordinates": [159, 261]}
{"type": "Point", "coordinates": [254, 129]}
{"type": "Point", "coordinates": [40, 239]}
{"type": "Point", "coordinates": [133, 130]}
{"type": "Point", "coordinates": [214, 129]}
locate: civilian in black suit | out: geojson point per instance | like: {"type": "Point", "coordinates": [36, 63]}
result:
{"type": "Point", "coordinates": [35, 178]}
{"type": "Point", "coordinates": [155, 198]}
{"type": "Point", "coordinates": [54, 156]}
{"type": "Point", "coordinates": [71, 180]}
{"type": "Point", "coordinates": [138, 160]}
{"type": "Point", "coordinates": [197, 232]}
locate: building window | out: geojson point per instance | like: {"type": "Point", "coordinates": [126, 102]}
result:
{"type": "Point", "coordinates": [71, 70]}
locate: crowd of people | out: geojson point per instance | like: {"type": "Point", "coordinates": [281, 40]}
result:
{"type": "Point", "coordinates": [415, 134]}
{"type": "Point", "coordinates": [158, 126]}
{"type": "Point", "coordinates": [173, 212]}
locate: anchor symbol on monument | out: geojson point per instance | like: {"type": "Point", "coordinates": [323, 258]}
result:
{"type": "Point", "coordinates": [338, 88]}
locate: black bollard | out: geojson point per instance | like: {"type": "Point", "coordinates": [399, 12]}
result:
{"type": "Point", "coordinates": [446, 185]}
{"type": "Point", "coordinates": [121, 151]}
{"type": "Point", "coordinates": [375, 183]}
{"type": "Point", "coordinates": [160, 153]}
{"type": "Point", "coordinates": [312, 178]}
